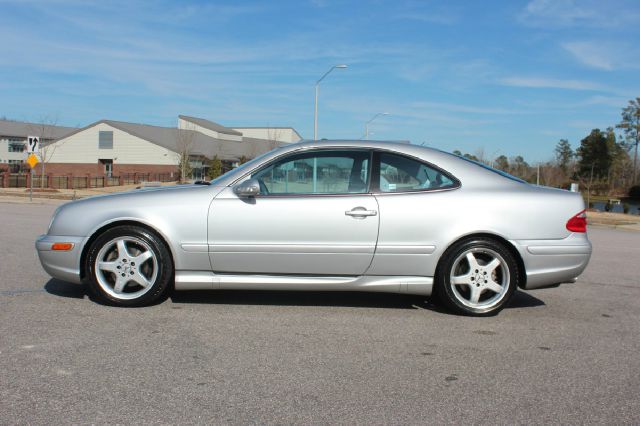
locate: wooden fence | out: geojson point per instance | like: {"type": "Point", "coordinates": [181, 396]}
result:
{"type": "Point", "coordinates": [23, 180]}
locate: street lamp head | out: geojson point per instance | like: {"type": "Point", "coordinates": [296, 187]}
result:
{"type": "Point", "coordinates": [341, 66]}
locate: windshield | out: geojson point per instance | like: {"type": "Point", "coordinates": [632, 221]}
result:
{"type": "Point", "coordinates": [240, 170]}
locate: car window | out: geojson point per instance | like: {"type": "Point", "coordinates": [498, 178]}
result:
{"type": "Point", "coordinates": [399, 173]}
{"type": "Point", "coordinates": [325, 172]}
{"type": "Point", "coordinates": [491, 169]}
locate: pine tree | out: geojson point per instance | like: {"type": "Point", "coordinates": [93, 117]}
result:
{"type": "Point", "coordinates": [631, 125]}
{"type": "Point", "coordinates": [215, 167]}
{"type": "Point", "coordinates": [564, 155]}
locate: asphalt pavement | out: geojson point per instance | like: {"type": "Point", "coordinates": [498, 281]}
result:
{"type": "Point", "coordinates": [564, 355]}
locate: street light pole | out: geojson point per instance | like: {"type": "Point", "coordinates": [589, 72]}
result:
{"type": "Point", "coordinates": [315, 114]}
{"type": "Point", "coordinates": [366, 125]}
{"type": "Point", "coordinates": [493, 157]}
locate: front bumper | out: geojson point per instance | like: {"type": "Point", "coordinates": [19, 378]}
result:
{"type": "Point", "coordinates": [551, 262]}
{"type": "Point", "coordinates": [63, 265]}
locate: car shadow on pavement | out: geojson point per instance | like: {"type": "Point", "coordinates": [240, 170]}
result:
{"type": "Point", "coordinates": [65, 289]}
{"type": "Point", "coordinates": [327, 298]}
{"type": "Point", "coordinates": [345, 299]}
{"type": "Point", "coordinates": [298, 298]}
{"type": "Point", "coordinates": [524, 300]}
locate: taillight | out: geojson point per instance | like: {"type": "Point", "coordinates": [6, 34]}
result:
{"type": "Point", "coordinates": [578, 223]}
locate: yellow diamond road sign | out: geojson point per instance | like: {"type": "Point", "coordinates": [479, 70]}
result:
{"type": "Point", "coordinates": [32, 160]}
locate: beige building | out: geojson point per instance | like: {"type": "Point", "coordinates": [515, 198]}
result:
{"type": "Point", "coordinates": [280, 134]}
{"type": "Point", "coordinates": [111, 148]}
{"type": "Point", "coordinates": [13, 140]}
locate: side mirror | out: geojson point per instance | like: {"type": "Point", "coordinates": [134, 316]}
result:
{"type": "Point", "coordinates": [248, 188]}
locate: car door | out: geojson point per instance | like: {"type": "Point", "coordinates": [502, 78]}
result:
{"type": "Point", "coordinates": [314, 215]}
{"type": "Point", "coordinates": [417, 205]}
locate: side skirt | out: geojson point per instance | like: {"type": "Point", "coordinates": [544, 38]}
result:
{"type": "Point", "coordinates": [204, 280]}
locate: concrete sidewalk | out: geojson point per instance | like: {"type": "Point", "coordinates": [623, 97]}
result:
{"type": "Point", "coordinates": [614, 220]}
{"type": "Point", "coordinates": [71, 194]}
{"type": "Point", "coordinates": [10, 199]}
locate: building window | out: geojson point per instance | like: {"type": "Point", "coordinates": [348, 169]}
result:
{"type": "Point", "coordinates": [105, 140]}
{"type": "Point", "coordinates": [16, 146]}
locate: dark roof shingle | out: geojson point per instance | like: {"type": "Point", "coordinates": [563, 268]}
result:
{"type": "Point", "coordinates": [21, 129]}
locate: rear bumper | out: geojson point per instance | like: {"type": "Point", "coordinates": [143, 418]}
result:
{"type": "Point", "coordinates": [63, 265]}
{"type": "Point", "coordinates": [551, 262]}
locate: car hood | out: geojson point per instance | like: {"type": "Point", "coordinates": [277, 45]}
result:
{"type": "Point", "coordinates": [147, 205]}
{"type": "Point", "coordinates": [146, 193]}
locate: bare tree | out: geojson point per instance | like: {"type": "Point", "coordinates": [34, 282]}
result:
{"type": "Point", "coordinates": [185, 146]}
{"type": "Point", "coordinates": [271, 142]}
{"type": "Point", "coordinates": [551, 174]}
{"type": "Point", "coordinates": [185, 140]}
{"type": "Point", "coordinates": [273, 136]}
{"type": "Point", "coordinates": [45, 130]}
{"type": "Point", "coordinates": [480, 155]}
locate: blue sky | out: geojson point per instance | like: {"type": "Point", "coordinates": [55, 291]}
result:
{"type": "Point", "coordinates": [485, 77]}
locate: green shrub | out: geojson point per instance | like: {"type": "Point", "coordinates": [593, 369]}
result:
{"type": "Point", "coordinates": [591, 204]}
{"type": "Point", "coordinates": [634, 191]}
{"type": "Point", "coordinates": [607, 207]}
{"type": "Point", "coordinates": [625, 208]}
{"type": "Point", "coordinates": [215, 167]}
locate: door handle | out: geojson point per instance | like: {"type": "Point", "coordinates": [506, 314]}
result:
{"type": "Point", "coordinates": [360, 212]}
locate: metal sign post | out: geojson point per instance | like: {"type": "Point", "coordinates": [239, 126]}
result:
{"type": "Point", "coordinates": [33, 147]}
{"type": "Point", "coordinates": [31, 187]}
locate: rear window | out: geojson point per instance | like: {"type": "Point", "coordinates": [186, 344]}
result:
{"type": "Point", "coordinates": [491, 169]}
{"type": "Point", "coordinates": [400, 174]}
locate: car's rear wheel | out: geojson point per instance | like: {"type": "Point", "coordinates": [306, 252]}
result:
{"type": "Point", "coordinates": [477, 277]}
{"type": "Point", "coordinates": [128, 266]}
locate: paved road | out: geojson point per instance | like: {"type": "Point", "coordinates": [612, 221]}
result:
{"type": "Point", "coordinates": [566, 355]}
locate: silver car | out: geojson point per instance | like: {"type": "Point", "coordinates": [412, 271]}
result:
{"type": "Point", "coordinates": [330, 215]}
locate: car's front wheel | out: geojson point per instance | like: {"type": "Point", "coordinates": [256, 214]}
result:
{"type": "Point", "coordinates": [128, 266]}
{"type": "Point", "coordinates": [477, 277]}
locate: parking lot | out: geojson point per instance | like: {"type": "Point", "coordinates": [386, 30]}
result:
{"type": "Point", "coordinates": [564, 355]}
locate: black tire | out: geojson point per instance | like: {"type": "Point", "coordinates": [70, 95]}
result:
{"type": "Point", "coordinates": [156, 271]}
{"type": "Point", "coordinates": [481, 279]}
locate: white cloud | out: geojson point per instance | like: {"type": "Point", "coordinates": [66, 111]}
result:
{"type": "Point", "coordinates": [582, 124]}
{"type": "Point", "coordinates": [583, 13]}
{"type": "Point", "coordinates": [606, 56]}
{"type": "Point", "coordinates": [444, 18]}
{"type": "Point", "coordinates": [418, 114]}
{"type": "Point", "coordinates": [590, 54]}
{"type": "Point", "coordinates": [612, 101]}
{"type": "Point", "coordinates": [471, 109]}
{"type": "Point", "coordinates": [428, 12]}
{"type": "Point", "coordinates": [558, 12]}
{"type": "Point", "coordinates": [552, 83]}
{"type": "Point", "coordinates": [320, 3]}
